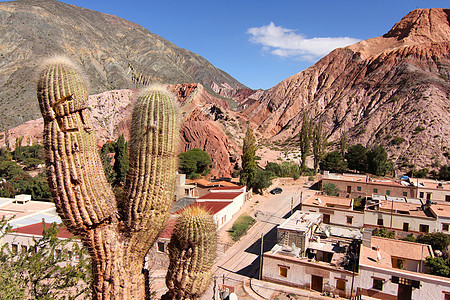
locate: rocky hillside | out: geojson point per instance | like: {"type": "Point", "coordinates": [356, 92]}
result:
{"type": "Point", "coordinates": [393, 90]}
{"type": "Point", "coordinates": [207, 123]}
{"type": "Point", "coordinates": [115, 54]}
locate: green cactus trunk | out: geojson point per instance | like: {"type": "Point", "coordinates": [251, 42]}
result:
{"type": "Point", "coordinates": [192, 250]}
{"type": "Point", "coordinates": [117, 236]}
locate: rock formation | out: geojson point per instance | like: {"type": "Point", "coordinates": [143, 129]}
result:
{"type": "Point", "coordinates": [115, 54]}
{"type": "Point", "coordinates": [392, 86]}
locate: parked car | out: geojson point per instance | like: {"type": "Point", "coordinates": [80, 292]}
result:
{"type": "Point", "coordinates": [276, 191]}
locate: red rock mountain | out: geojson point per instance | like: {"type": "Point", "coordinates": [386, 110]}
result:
{"type": "Point", "coordinates": [392, 90]}
{"type": "Point", "coordinates": [394, 86]}
{"type": "Point", "coordinates": [204, 123]}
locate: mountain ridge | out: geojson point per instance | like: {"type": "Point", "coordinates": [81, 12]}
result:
{"type": "Point", "coordinates": [114, 52]}
{"type": "Point", "coordinates": [375, 90]}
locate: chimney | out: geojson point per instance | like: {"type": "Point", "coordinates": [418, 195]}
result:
{"type": "Point", "coordinates": [367, 237]}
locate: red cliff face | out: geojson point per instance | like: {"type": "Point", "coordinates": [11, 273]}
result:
{"type": "Point", "coordinates": [376, 90]}
{"type": "Point", "coordinates": [111, 114]}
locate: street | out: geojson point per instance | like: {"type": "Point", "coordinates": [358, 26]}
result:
{"type": "Point", "coordinates": [241, 261]}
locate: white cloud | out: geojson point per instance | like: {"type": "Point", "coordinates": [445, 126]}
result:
{"type": "Point", "coordinates": [287, 43]}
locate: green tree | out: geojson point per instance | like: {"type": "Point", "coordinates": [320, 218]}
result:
{"type": "Point", "coordinates": [444, 173]}
{"type": "Point", "coordinates": [305, 141]}
{"type": "Point", "coordinates": [319, 144]}
{"type": "Point", "coordinates": [121, 164]}
{"type": "Point", "coordinates": [106, 159]}
{"type": "Point", "coordinates": [356, 157]}
{"type": "Point", "coordinates": [343, 143]}
{"type": "Point", "coordinates": [438, 266]}
{"type": "Point", "coordinates": [333, 162]}
{"type": "Point", "coordinates": [249, 167]}
{"type": "Point", "coordinates": [262, 181]}
{"type": "Point", "coordinates": [330, 189]}
{"type": "Point", "coordinates": [50, 268]}
{"type": "Point", "coordinates": [377, 160]}
{"type": "Point", "coordinates": [383, 232]}
{"type": "Point", "coordinates": [438, 240]}
{"type": "Point", "coordinates": [194, 162]}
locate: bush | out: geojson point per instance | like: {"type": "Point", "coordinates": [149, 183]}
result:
{"type": "Point", "coordinates": [333, 162]}
{"type": "Point", "coordinates": [437, 240]}
{"type": "Point", "coordinates": [383, 232]}
{"type": "Point", "coordinates": [330, 189]}
{"type": "Point", "coordinates": [241, 226]}
{"type": "Point", "coordinates": [194, 161]}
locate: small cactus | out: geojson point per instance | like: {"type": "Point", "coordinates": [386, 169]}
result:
{"type": "Point", "coordinates": [192, 251]}
{"type": "Point", "coordinates": [118, 234]}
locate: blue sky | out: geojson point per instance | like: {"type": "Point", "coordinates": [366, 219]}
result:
{"type": "Point", "coordinates": [262, 42]}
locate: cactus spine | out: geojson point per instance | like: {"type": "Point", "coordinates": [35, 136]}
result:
{"type": "Point", "coordinates": [117, 236]}
{"type": "Point", "coordinates": [191, 251]}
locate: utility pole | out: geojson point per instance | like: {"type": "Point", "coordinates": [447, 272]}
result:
{"type": "Point", "coordinates": [261, 256]}
{"type": "Point", "coordinates": [292, 205]}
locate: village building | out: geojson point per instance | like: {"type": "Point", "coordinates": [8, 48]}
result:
{"type": "Point", "coordinates": [402, 215]}
{"type": "Point", "coordinates": [335, 210]}
{"type": "Point", "coordinates": [394, 269]}
{"type": "Point", "coordinates": [307, 260]}
{"type": "Point", "coordinates": [354, 185]}
{"type": "Point", "coordinates": [432, 190]}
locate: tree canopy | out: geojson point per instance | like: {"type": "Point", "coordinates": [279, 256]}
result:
{"type": "Point", "coordinates": [194, 163]}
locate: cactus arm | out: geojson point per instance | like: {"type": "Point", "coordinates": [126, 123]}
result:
{"type": "Point", "coordinates": [191, 253]}
{"type": "Point", "coordinates": [80, 191]}
{"type": "Point", "coordinates": [153, 161]}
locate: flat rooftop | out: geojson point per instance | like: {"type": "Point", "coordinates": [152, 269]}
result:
{"type": "Point", "coordinates": [329, 201]}
{"type": "Point", "coordinates": [301, 221]}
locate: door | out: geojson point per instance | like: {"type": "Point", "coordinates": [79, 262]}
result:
{"type": "Point", "coordinates": [404, 292]}
{"type": "Point", "coordinates": [316, 283]}
{"type": "Point", "coordinates": [349, 189]}
{"type": "Point", "coordinates": [326, 218]}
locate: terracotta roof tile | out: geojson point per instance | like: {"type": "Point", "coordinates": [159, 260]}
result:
{"type": "Point", "coordinates": [36, 229]}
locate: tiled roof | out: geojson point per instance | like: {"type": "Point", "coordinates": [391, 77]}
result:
{"type": "Point", "coordinates": [220, 196]}
{"type": "Point", "coordinates": [36, 229]}
{"type": "Point", "coordinates": [168, 230]}
{"type": "Point", "coordinates": [402, 249]}
{"type": "Point", "coordinates": [231, 187]}
{"type": "Point", "coordinates": [211, 207]}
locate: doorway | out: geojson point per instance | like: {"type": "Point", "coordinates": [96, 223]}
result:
{"type": "Point", "coordinates": [404, 292]}
{"type": "Point", "coordinates": [316, 283]}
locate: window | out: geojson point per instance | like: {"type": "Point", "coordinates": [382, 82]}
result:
{"type": "Point", "coordinates": [444, 227]}
{"type": "Point", "coordinates": [388, 192]}
{"type": "Point", "coordinates": [397, 263]}
{"type": "Point", "coordinates": [349, 220]}
{"type": "Point", "coordinates": [14, 248]}
{"type": "Point", "coordinates": [428, 196]}
{"type": "Point", "coordinates": [326, 218]}
{"type": "Point", "coordinates": [161, 247]}
{"type": "Point", "coordinates": [447, 198]}
{"type": "Point", "coordinates": [424, 228]}
{"type": "Point", "coordinates": [358, 188]}
{"type": "Point", "coordinates": [283, 271]}
{"type": "Point", "coordinates": [405, 194]}
{"type": "Point", "coordinates": [421, 195]}
{"type": "Point", "coordinates": [24, 248]}
{"type": "Point", "coordinates": [377, 284]}
{"type": "Point", "coordinates": [405, 226]}
{"type": "Point", "coordinates": [349, 188]}
{"type": "Point", "coordinates": [340, 284]}
{"type": "Point", "coordinates": [380, 222]}
{"type": "Point", "coordinates": [375, 191]}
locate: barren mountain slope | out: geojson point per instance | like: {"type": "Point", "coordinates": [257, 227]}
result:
{"type": "Point", "coordinates": [115, 54]}
{"type": "Point", "coordinates": [376, 90]}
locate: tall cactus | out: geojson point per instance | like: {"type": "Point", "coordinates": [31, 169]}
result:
{"type": "Point", "coordinates": [191, 251]}
{"type": "Point", "coordinates": [117, 236]}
